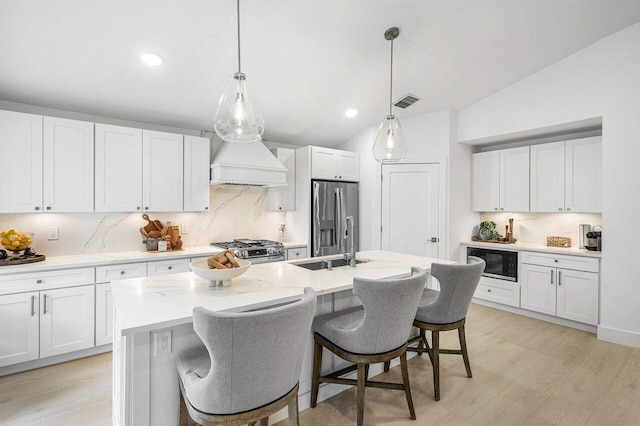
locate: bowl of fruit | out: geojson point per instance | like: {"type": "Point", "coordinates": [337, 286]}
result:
{"type": "Point", "coordinates": [15, 242]}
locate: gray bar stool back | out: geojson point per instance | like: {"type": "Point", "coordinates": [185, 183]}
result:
{"type": "Point", "coordinates": [446, 310]}
{"type": "Point", "coordinates": [373, 333]}
{"type": "Point", "coordinates": [249, 366]}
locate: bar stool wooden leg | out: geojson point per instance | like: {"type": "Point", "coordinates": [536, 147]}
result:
{"type": "Point", "coordinates": [294, 419]}
{"type": "Point", "coordinates": [360, 392]}
{"type": "Point", "coordinates": [387, 365]}
{"type": "Point", "coordinates": [421, 342]}
{"type": "Point", "coordinates": [184, 414]}
{"type": "Point", "coordinates": [317, 366]}
{"type": "Point", "coordinates": [366, 371]}
{"type": "Point", "coordinates": [463, 348]}
{"type": "Point", "coordinates": [264, 421]}
{"type": "Point", "coordinates": [405, 381]}
{"type": "Point", "coordinates": [435, 337]}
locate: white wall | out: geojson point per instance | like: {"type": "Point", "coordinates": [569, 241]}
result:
{"type": "Point", "coordinates": [429, 137]}
{"type": "Point", "coordinates": [598, 81]}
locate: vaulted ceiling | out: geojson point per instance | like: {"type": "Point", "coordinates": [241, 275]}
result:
{"type": "Point", "coordinates": [307, 60]}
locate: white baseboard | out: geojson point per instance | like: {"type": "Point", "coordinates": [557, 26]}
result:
{"type": "Point", "coordinates": [44, 362]}
{"type": "Point", "coordinates": [622, 337]}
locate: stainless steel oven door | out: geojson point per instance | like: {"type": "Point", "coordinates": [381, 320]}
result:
{"type": "Point", "coordinates": [265, 259]}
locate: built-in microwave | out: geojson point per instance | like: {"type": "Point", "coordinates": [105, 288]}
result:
{"type": "Point", "coordinates": [501, 264]}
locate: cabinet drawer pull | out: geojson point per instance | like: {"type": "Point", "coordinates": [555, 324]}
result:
{"type": "Point", "coordinates": [568, 209]}
{"type": "Point", "coordinates": [121, 272]}
{"type": "Point", "coordinates": [33, 304]}
{"type": "Point", "coordinates": [138, 208]}
{"type": "Point", "coordinates": [551, 276]}
{"type": "Point", "coordinates": [44, 304]}
{"type": "Point", "coordinates": [559, 277]}
{"type": "Point", "coordinates": [38, 281]}
{"type": "Point", "coordinates": [488, 290]}
{"type": "Point", "coordinates": [559, 209]}
{"type": "Point", "coordinates": [170, 267]}
{"type": "Point", "coordinates": [37, 208]}
{"type": "Point", "coordinates": [48, 207]}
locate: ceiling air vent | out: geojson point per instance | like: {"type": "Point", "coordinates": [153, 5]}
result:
{"type": "Point", "coordinates": [406, 101]}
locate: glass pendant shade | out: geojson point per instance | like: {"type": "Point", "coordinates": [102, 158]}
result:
{"type": "Point", "coordinates": [237, 119]}
{"type": "Point", "coordinates": [390, 146]}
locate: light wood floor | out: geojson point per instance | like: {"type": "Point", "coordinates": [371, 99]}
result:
{"type": "Point", "coordinates": [525, 371]}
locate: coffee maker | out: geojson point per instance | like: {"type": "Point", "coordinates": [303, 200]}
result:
{"type": "Point", "coordinates": [594, 239]}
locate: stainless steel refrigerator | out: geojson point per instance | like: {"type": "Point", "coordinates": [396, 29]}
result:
{"type": "Point", "coordinates": [331, 204]}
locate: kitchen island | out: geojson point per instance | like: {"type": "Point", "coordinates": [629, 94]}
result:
{"type": "Point", "coordinates": [145, 382]}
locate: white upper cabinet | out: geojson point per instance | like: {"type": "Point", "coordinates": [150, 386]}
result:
{"type": "Point", "coordinates": [283, 198]}
{"type": "Point", "coordinates": [547, 177]}
{"type": "Point", "coordinates": [68, 165]}
{"type": "Point", "coordinates": [501, 180]}
{"type": "Point", "coordinates": [118, 162]}
{"type": "Point", "coordinates": [583, 175]}
{"type": "Point", "coordinates": [334, 164]}
{"type": "Point", "coordinates": [196, 174]}
{"type": "Point", "coordinates": [514, 179]}
{"type": "Point", "coordinates": [567, 176]}
{"type": "Point", "coordinates": [162, 167]}
{"type": "Point", "coordinates": [486, 181]}
{"type": "Point", "coordinates": [21, 155]}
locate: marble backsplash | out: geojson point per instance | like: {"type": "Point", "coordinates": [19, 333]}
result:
{"type": "Point", "coordinates": [534, 228]}
{"type": "Point", "coordinates": [234, 212]}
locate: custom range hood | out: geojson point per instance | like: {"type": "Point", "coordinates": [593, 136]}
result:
{"type": "Point", "coordinates": [249, 164]}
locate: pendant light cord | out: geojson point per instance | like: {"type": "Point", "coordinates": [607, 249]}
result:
{"type": "Point", "coordinates": [390, 81]}
{"type": "Point", "coordinates": [238, 9]}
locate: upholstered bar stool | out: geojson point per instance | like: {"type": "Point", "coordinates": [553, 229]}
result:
{"type": "Point", "coordinates": [249, 366]}
{"type": "Point", "coordinates": [373, 333]}
{"type": "Point", "coordinates": [446, 310]}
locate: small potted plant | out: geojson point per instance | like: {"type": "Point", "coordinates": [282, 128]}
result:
{"type": "Point", "coordinates": [487, 231]}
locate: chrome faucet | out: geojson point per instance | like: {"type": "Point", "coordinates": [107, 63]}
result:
{"type": "Point", "coordinates": [349, 233]}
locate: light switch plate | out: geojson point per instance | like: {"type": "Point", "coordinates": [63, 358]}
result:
{"type": "Point", "coordinates": [54, 233]}
{"type": "Point", "coordinates": [184, 228]}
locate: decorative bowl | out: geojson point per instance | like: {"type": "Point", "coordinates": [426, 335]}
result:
{"type": "Point", "coordinates": [216, 277]}
{"type": "Point", "coordinates": [15, 241]}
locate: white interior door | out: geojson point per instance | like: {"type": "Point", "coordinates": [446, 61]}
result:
{"type": "Point", "coordinates": [410, 209]}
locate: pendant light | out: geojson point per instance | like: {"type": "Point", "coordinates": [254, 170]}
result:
{"type": "Point", "coordinates": [390, 146]}
{"type": "Point", "coordinates": [238, 120]}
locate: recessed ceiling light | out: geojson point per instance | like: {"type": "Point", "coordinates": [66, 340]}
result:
{"type": "Point", "coordinates": [151, 59]}
{"type": "Point", "coordinates": [351, 113]}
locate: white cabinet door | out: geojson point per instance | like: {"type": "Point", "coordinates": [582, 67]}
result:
{"type": "Point", "coordinates": [514, 179]}
{"type": "Point", "coordinates": [104, 314]}
{"type": "Point", "coordinates": [348, 166]}
{"type": "Point", "coordinates": [296, 253]}
{"type": "Point", "coordinates": [486, 181]}
{"type": "Point", "coordinates": [162, 168]}
{"type": "Point", "coordinates": [578, 296]}
{"type": "Point", "coordinates": [323, 163]}
{"type": "Point", "coordinates": [66, 320]}
{"type": "Point", "coordinates": [283, 198]}
{"type": "Point", "coordinates": [21, 155]}
{"type": "Point", "coordinates": [118, 162]}
{"type": "Point", "coordinates": [68, 165]}
{"type": "Point", "coordinates": [583, 174]}
{"type": "Point", "coordinates": [538, 288]}
{"type": "Point", "coordinates": [19, 328]}
{"type": "Point", "coordinates": [196, 174]}
{"type": "Point", "coordinates": [547, 177]}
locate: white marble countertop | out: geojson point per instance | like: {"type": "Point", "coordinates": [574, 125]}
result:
{"type": "Point", "coordinates": [152, 303]}
{"type": "Point", "coordinates": [101, 259]}
{"type": "Point", "coordinates": [571, 251]}
{"type": "Point", "coordinates": [294, 244]}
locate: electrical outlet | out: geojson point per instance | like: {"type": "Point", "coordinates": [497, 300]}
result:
{"type": "Point", "coordinates": [184, 228]}
{"type": "Point", "coordinates": [53, 233]}
{"type": "Point", "coordinates": [162, 342]}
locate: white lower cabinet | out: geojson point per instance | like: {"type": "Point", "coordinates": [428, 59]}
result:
{"type": "Point", "coordinates": [19, 328]}
{"type": "Point", "coordinates": [66, 320]}
{"type": "Point", "coordinates": [104, 314]}
{"type": "Point", "coordinates": [296, 253]}
{"type": "Point", "coordinates": [565, 293]}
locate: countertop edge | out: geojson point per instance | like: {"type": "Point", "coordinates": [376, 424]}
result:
{"type": "Point", "coordinates": [568, 251]}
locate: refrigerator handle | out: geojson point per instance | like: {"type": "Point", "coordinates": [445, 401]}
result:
{"type": "Point", "coordinates": [316, 217]}
{"type": "Point", "coordinates": [337, 221]}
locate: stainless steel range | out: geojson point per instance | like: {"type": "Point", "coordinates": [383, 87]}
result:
{"type": "Point", "coordinates": [255, 251]}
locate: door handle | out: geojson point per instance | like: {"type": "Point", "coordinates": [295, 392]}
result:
{"type": "Point", "coordinates": [434, 239]}
{"type": "Point", "coordinates": [559, 277]}
{"type": "Point", "coordinates": [316, 214]}
{"type": "Point", "coordinates": [33, 304]}
{"type": "Point", "coordinates": [44, 304]}
{"type": "Point", "coordinates": [551, 276]}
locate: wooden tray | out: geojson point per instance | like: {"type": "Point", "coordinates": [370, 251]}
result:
{"type": "Point", "coordinates": [493, 241]}
{"type": "Point", "coordinates": [164, 251]}
{"type": "Point", "coordinates": [31, 259]}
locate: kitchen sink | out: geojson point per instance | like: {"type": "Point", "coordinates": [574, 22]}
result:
{"type": "Point", "coordinates": [324, 264]}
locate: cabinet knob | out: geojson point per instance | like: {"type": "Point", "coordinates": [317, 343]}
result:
{"type": "Point", "coordinates": [568, 209]}
{"type": "Point", "coordinates": [37, 208]}
{"type": "Point", "coordinates": [121, 272]}
{"type": "Point", "coordinates": [279, 208]}
{"type": "Point", "coordinates": [48, 207]}
{"type": "Point", "coordinates": [555, 260]}
{"type": "Point", "coordinates": [170, 267]}
{"type": "Point", "coordinates": [138, 208]}
{"type": "Point", "coordinates": [206, 208]}
{"type": "Point", "coordinates": [559, 209]}
{"type": "Point", "coordinates": [501, 208]}
{"type": "Point", "coordinates": [495, 208]}
{"type": "Point", "coordinates": [38, 281]}
{"type": "Point", "coordinates": [339, 177]}
{"type": "Point", "coordinates": [146, 208]}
